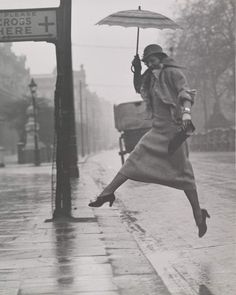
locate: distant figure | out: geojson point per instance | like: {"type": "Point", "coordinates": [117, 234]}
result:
{"type": "Point", "coordinates": [168, 100]}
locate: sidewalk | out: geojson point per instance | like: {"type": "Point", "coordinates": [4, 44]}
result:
{"type": "Point", "coordinates": [97, 256]}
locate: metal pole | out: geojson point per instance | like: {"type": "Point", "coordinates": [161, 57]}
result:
{"type": "Point", "coordinates": [66, 151]}
{"type": "Point", "coordinates": [81, 118]}
{"type": "Point", "coordinates": [87, 127]}
{"type": "Point", "coordinates": [95, 130]}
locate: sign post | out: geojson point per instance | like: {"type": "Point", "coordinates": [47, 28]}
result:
{"type": "Point", "coordinates": [66, 155]}
{"type": "Point", "coordinates": [52, 25]}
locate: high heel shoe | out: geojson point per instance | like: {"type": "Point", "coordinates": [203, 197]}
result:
{"type": "Point", "coordinates": [103, 199]}
{"type": "Point", "coordinates": [202, 227]}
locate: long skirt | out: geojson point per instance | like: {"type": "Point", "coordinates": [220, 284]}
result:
{"type": "Point", "coordinates": [150, 162]}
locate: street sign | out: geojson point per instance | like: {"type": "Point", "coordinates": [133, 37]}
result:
{"type": "Point", "coordinates": [28, 25]}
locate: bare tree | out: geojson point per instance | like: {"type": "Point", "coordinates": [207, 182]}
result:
{"type": "Point", "coordinates": [206, 47]}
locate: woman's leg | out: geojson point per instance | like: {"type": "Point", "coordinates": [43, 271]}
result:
{"type": "Point", "coordinates": [107, 195]}
{"type": "Point", "coordinates": [117, 181]}
{"type": "Point", "coordinates": [192, 196]}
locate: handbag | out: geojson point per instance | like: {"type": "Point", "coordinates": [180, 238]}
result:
{"type": "Point", "coordinates": [180, 137]}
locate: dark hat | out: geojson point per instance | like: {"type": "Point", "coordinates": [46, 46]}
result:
{"type": "Point", "coordinates": [153, 49]}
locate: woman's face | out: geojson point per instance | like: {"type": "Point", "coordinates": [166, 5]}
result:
{"type": "Point", "coordinates": [153, 62]}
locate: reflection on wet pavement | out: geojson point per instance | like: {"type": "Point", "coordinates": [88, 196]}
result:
{"type": "Point", "coordinates": [63, 244]}
{"type": "Point", "coordinates": [46, 258]}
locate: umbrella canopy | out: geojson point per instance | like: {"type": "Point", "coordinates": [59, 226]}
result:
{"type": "Point", "coordinates": [140, 19]}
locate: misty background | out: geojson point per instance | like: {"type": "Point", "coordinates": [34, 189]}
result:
{"type": "Point", "coordinates": [106, 52]}
{"type": "Point", "coordinates": [102, 55]}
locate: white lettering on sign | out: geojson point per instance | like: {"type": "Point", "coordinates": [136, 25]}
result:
{"type": "Point", "coordinates": [28, 25]}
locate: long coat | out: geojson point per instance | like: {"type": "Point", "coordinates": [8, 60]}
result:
{"type": "Point", "coordinates": [164, 93]}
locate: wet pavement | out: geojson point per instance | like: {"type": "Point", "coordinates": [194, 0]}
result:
{"type": "Point", "coordinates": [95, 256]}
{"type": "Point", "coordinates": [146, 244]}
{"type": "Point", "coordinates": [161, 221]}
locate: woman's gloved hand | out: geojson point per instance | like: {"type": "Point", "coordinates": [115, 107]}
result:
{"type": "Point", "coordinates": [136, 64]}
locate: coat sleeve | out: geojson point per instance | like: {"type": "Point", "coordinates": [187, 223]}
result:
{"type": "Point", "coordinates": [180, 84]}
{"type": "Point", "coordinates": [144, 91]}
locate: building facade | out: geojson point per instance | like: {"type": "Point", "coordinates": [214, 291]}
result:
{"type": "Point", "coordinates": [94, 116]}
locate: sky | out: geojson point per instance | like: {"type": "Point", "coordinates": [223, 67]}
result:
{"type": "Point", "coordinates": [106, 52]}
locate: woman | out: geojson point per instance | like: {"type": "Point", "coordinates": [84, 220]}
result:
{"type": "Point", "coordinates": [168, 99]}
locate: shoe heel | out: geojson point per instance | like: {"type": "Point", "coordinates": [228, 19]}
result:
{"type": "Point", "coordinates": [206, 213]}
{"type": "Point", "coordinates": [111, 203]}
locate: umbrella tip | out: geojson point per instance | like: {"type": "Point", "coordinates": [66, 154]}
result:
{"type": "Point", "coordinates": [139, 8]}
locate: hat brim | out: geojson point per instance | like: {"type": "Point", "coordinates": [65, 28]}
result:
{"type": "Point", "coordinates": [162, 54]}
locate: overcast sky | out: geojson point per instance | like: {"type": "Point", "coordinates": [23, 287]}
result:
{"type": "Point", "coordinates": [106, 52]}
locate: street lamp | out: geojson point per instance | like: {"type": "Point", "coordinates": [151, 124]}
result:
{"type": "Point", "coordinates": [33, 89]}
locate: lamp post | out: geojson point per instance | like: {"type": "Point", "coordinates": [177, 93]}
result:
{"type": "Point", "coordinates": [33, 89]}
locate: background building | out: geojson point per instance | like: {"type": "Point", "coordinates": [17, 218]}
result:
{"type": "Point", "coordinates": [94, 115]}
{"type": "Point", "coordinates": [14, 78]}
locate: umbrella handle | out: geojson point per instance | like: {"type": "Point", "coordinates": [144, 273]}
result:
{"type": "Point", "coordinates": [139, 8]}
{"type": "Point", "coordinates": [137, 41]}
